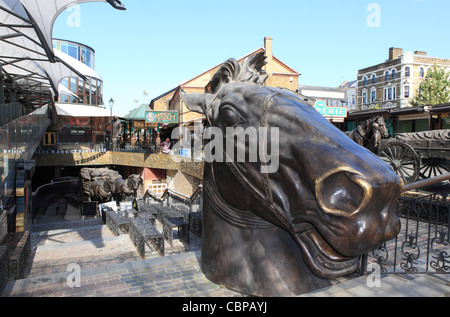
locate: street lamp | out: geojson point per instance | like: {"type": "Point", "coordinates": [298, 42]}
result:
{"type": "Point", "coordinates": [111, 105]}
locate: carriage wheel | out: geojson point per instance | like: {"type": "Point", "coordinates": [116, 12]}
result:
{"type": "Point", "coordinates": [432, 167]}
{"type": "Point", "coordinates": [403, 159]}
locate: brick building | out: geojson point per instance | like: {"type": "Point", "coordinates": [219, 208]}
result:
{"type": "Point", "coordinates": [280, 75]}
{"type": "Point", "coordinates": [392, 83]}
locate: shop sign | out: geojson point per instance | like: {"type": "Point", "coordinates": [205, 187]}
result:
{"type": "Point", "coordinates": [77, 132]}
{"type": "Point", "coordinates": [330, 112]}
{"type": "Point", "coordinates": [161, 117]}
{"type": "Point", "coordinates": [71, 121]}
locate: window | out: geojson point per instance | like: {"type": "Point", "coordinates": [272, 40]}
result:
{"type": "Point", "coordinates": [83, 56]}
{"type": "Point", "coordinates": [373, 95]}
{"type": "Point", "coordinates": [89, 59]}
{"type": "Point", "coordinates": [365, 80]}
{"type": "Point", "coordinates": [49, 138]}
{"type": "Point", "coordinates": [73, 84]}
{"type": "Point", "coordinates": [407, 72]}
{"type": "Point", "coordinates": [386, 76]}
{"type": "Point", "coordinates": [394, 74]}
{"type": "Point", "coordinates": [390, 93]}
{"type": "Point", "coordinates": [374, 78]}
{"type": "Point", "coordinates": [364, 97]}
{"type": "Point", "coordinates": [421, 72]}
{"type": "Point", "coordinates": [64, 48]}
{"type": "Point", "coordinates": [407, 93]}
{"type": "Point", "coordinates": [73, 51]}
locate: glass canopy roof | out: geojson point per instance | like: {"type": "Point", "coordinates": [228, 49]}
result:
{"type": "Point", "coordinates": [26, 50]}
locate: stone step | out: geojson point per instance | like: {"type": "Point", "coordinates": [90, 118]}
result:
{"type": "Point", "coordinates": [60, 236]}
{"type": "Point", "coordinates": [94, 245]}
{"type": "Point", "coordinates": [66, 225]}
{"type": "Point", "coordinates": [119, 276]}
{"type": "Point", "coordinates": [56, 256]}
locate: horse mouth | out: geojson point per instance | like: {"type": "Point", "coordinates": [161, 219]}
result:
{"type": "Point", "coordinates": [320, 256]}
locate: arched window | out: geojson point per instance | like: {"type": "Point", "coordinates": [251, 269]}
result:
{"type": "Point", "coordinates": [386, 76]}
{"type": "Point", "coordinates": [374, 78]}
{"type": "Point", "coordinates": [421, 72]}
{"type": "Point", "coordinates": [365, 80]}
{"type": "Point", "coordinates": [407, 72]}
{"type": "Point", "coordinates": [394, 74]}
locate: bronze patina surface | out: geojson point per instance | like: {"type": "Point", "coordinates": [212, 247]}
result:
{"type": "Point", "coordinates": [287, 232]}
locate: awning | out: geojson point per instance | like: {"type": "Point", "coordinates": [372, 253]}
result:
{"type": "Point", "coordinates": [81, 110]}
{"type": "Point", "coordinates": [45, 12]}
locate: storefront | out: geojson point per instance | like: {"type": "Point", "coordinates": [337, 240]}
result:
{"type": "Point", "coordinates": [81, 125]}
{"type": "Point", "coordinates": [440, 116]}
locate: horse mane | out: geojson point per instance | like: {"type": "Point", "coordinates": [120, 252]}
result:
{"type": "Point", "coordinates": [250, 71]}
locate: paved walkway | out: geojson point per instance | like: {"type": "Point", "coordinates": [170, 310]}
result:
{"type": "Point", "coordinates": [84, 259]}
{"type": "Point", "coordinates": [171, 276]}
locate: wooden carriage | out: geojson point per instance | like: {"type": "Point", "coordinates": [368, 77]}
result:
{"type": "Point", "coordinates": [418, 154]}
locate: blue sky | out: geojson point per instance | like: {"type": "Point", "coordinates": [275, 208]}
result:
{"type": "Point", "coordinates": [155, 45]}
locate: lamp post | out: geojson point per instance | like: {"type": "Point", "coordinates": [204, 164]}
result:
{"type": "Point", "coordinates": [111, 105]}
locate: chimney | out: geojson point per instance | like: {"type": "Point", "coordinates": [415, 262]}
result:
{"type": "Point", "coordinates": [420, 53]}
{"type": "Point", "coordinates": [268, 47]}
{"type": "Point", "coordinates": [394, 53]}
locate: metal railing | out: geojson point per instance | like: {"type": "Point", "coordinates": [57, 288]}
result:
{"type": "Point", "coordinates": [423, 245]}
{"type": "Point", "coordinates": [48, 194]}
{"type": "Point", "coordinates": [172, 198]}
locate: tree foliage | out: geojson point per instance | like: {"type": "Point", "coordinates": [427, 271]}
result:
{"type": "Point", "coordinates": [435, 89]}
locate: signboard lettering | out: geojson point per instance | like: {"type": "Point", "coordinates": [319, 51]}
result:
{"type": "Point", "coordinates": [161, 117]}
{"type": "Point", "coordinates": [330, 112]}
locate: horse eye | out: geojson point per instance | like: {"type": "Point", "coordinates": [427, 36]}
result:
{"type": "Point", "coordinates": [230, 117]}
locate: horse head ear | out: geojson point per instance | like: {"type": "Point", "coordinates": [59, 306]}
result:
{"type": "Point", "coordinates": [252, 69]}
{"type": "Point", "coordinates": [197, 102]}
{"type": "Point", "coordinates": [226, 73]}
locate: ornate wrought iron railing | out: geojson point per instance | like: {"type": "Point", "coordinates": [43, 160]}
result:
{"type": "Point", "coordinates": [423, 244]}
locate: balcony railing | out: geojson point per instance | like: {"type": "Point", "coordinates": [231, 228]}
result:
{"type": "Point", "coordinates": [126, 147]}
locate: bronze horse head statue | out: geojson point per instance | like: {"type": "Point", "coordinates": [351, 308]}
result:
{"type": "Point", "coordinates": [286, 231]}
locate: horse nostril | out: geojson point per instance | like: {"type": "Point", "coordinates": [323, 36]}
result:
{"type": "Point", "coordinates": [343, 192]}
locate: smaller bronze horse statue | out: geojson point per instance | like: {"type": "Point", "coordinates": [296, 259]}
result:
{"type": "Point", "coordinates": [370, 133]}
{"type": "Point", "coordinates": [127, 187]}
{"type": "Point", "coordinates": [104, 184]}
{"type": "Point", "coordinates": [100, 189]}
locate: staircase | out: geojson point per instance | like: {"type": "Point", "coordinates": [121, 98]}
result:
{"type": "Point", "coordinates": [103, 256]}
{"type": "Point", "coordinates": [89, 246]}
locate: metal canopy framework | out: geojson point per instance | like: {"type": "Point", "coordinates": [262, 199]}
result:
{"type": "Point", "coordinates": [26, 51]}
